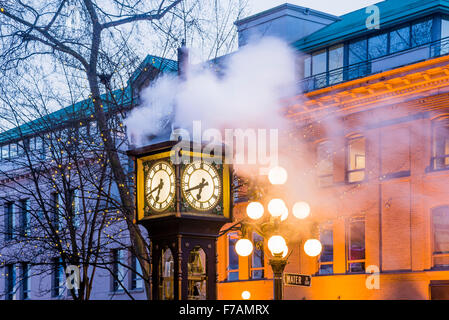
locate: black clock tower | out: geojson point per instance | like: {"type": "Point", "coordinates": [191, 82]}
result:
{"type": "Point", "coordinates": [183, 198]}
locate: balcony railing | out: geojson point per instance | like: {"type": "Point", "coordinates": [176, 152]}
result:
{"type": "Point", "coordinates": [386, 62]}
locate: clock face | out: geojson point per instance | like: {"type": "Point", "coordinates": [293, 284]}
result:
{"type": "Point", "coordinates": [160, 186]}
{"type": "Point", "coordinates": [201, 185]}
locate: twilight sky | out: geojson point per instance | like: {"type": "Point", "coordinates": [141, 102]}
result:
{"type": "Point", "coordinates": [336, 7]}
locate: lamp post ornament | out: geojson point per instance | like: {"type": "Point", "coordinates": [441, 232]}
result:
{"type": "Point", "coordinates": [274, 228]}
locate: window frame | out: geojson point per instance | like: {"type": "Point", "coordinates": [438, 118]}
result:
{"type": "Point", "coordinates": [348, 159]}
{"type": "Point", "coordinates": [328, 226]}
{"type": "Point", "coordinates": [435, 255]}
{"type": "Point", "coordinates": [229, 236]}
{"type": "Point", "coordinates": [11, 286]}
{"type": "Point", "coordinates": [251, 262]}
{"type": "Point", "coordinates": [348, 245]}
{"type": "Point", "coordinates": [135, 277]}
{"type": "Point", "coordinates": [436, 124]}
{"type": "Point", "coordinates": [57, 283]}
{"type": "Point", "coordinates": [331, 161]}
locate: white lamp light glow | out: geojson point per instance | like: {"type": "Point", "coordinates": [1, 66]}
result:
{"type": "Point", "coordinates": [255, 210]}
{"type": "Point", "coordinates": [277, 207]}
{"type": "Point", "coordinates": [246, 295]}
{"type": "Point", "coordinates": [277, 175]}
{"type": "Point", "coordinates": [276, 244]}
{"type": "Point", "coordinates": [284, 253]}
{"type": "Point", "coordinates": [244, 247]}
{"type": "Point", "coordinates": [312, 247]}
{"type": "Point", "coordinates": [301, 210]}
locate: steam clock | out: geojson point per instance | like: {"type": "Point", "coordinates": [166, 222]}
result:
{"type": "Point", "coordinates": [183, 198]}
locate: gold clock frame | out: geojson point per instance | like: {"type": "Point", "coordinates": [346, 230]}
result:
{"type": "Point", "coordinates": [140, 183]}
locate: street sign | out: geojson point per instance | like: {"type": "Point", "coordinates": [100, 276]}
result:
{"type": "Point", "coordinates": [293, 279]}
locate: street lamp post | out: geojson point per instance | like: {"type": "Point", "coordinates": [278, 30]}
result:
{"type": "Point", "coordinates": [272, 228]}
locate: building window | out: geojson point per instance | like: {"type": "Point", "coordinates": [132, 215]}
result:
{"type": "Point", "coordinates": [58, 278]}
{"type": "Point", "coordinates": [440, 153]}
{"type": "Point", "coordinates": [356, 245]}
{"type": "Point", "coordinates": [233, 258]}
{"type": "Point", "coordinates": [9, 221]}
{"type": "Point", "coordinates": [136, 275]}
{"type": "Point", "coordinates": [24, 218]}
{"type": "Point", "coordinates": [325, 166]}
{"type": "Point", "coordinates": [326, 260]}
{"type": "Point", "coordinates": [118, 269]}
{"type": "Point", "coordinates": [257, 257]}
{"type": "Point", "coordinates": [26, 281]}
{"type": "Point", "coordinates": [74, 201]}
{"type": "Point", "coordinates": [10, 282]}
{"type": "Point", "coordinates": [13, 150]}
{"type": "Point", "coordinates": [400, 39]}
{"type": "Point", "coordinates": [440, 225]}
{"type": "Point", "coordinates": [422, 32]}
{"type": "Point", "coordinates": [336, 61]}
{"type": "Point", "coordinates": [378, 46]}
{"type": "Point", "coordinates": [56, 203]}
{"type": "Point", "coordinates": [5, 152]}
{"type": "Point", "coordinates": [358, 53]}
{"type": "Point", "coordinates": [356, 156]}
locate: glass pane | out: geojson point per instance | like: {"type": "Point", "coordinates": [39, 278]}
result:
{"type": "Point", "coordinates": [357, 51]}
{"type": "Point", "coordinates": [327, 241]}
{"type": "Point", "coordinates": [196, 267]}
{"type": "Point", "coordinates": [324, 158]}
{"type": "Point", "coordinates": [357, 54]}
{"type": "Point", "coordinates": [233, 276]}
{"type": "Point", "coordinates": [357, 240]}
{"type": "Point", "coordinates": [257, 257]}
{"type": "Point", "coordinates": [13, 150]}
{"type": "Point", "coordinates": [422, 32]}
{"type": "Point", "coordinates": [326, 269]}
{"type": "Point", "coordinates": [399, 39]}
{"type": "Point", "coordinates": [307, 67]}
{"type": "Point", "coordinates": [319, 62]}
{"type": "Point", "coordinates": [5, 152]}
{"type": "Point", "coordinates": [233, 262]}
{"type": "Point", "coordinates": [166, 275]}
{"type": "Point", "coordinates": [377, 46]}
{"type": "Point", "coordinates": [357, 267]}
{"type": "Point", "coordinates": [441, 147]}
{"type": "Point", "coordinates": [441, 230]}
{"type": "Point", "coordinates": [356, 154]}
{"type": "Point", "coordinates": [444, 28]}
{"type": "Point", "coordinates": [336, 54]}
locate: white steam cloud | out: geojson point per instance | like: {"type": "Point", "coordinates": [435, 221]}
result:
{"type": "Point", "coordinates": [246, 93]}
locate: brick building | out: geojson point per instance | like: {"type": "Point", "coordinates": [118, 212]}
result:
{"type": "Point", "coordinates": [374, 112]}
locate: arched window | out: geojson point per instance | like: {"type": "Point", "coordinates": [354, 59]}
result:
{"type": "Point", "coordinates": [440, 148]}
{"type": "Point", "coordinates": [440, 228]}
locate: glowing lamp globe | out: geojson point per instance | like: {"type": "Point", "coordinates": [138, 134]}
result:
{"type": "Point", "coordinates": [254, 210]}
{"type": "Point", "coordinates": [246, 295]}
{"type": "Point", "coordinates": [244, 247]}
{"type": "Point", "coordinates": [284, 253]}
{"type": "Point", "coordinates": [312, 247]}
{"type": "Point", "coordinates": [277, 175]}
{"type": "Point", "coordinates": [301, 210]}
{"type": "Point", "coordinates": [284, 216]}
{"type": "Point", "coordinates": [276, 244]}
{"type": "Point", "coordinates": [277, 207]}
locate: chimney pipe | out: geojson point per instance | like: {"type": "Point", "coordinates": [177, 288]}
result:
{"type": "Point", "coordinates": [183, 59]}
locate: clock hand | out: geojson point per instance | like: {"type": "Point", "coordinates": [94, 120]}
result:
{"type": "Point", "coordinates": [158, 187]}
{"type": "Point", "coordinates": [200, 186]}
{"type": "Point", "coordinates": [203, 184]}
{"type": "Point", "coordinates": [161, 184]}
